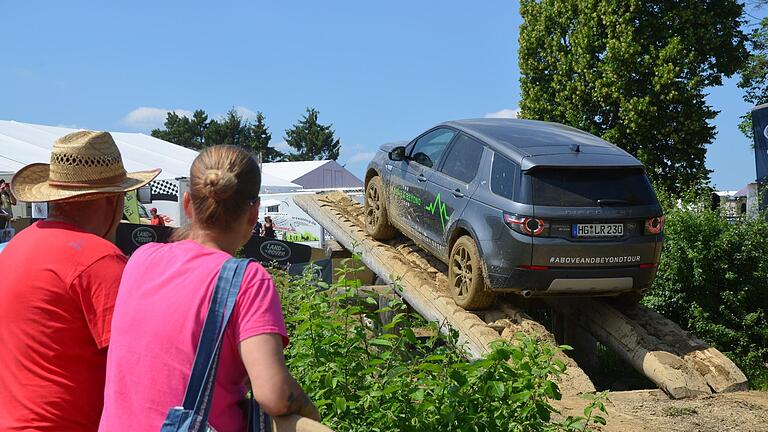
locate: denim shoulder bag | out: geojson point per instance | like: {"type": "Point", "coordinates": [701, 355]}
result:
{"type": "Point", "coordinates": [192, 416]}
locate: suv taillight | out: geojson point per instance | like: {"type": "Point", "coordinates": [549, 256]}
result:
{"type": "Point", "coordinates": [526, 225]}
{"type": "Point", "coordinates": [654, 225]}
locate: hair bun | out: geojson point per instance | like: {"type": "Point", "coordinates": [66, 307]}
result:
{"type": "Point", "coordinates": [218, 184]}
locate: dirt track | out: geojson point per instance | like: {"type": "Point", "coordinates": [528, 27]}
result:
{"type": "Point", "coordinates": [653, 411]}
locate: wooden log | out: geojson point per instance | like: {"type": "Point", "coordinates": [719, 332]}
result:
{"type": "Point", "coordinates": [632, 343]}
{"type": "Point", "coordinates": [334, 250]}
{"type": "Point", "coordinates": [720, 373]}
{"type": "Point", "coordinates": [295, 423]}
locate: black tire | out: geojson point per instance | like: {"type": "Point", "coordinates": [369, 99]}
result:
{"type": "Point", "coordinates": [465, 276]}
{"type": "Point", "coordinates": [376, 217]}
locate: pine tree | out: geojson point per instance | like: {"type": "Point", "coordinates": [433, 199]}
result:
{"type": "Point", "coordinates": [199, 132]}
{"type": "Point", "coordinates": [182, 131]}
{"type": "Point", "coordinates": [312, 140]}
{"type": "Point", "coordinates": [260, 136]}
{"type": "Point", "coordinates": [229, 130]}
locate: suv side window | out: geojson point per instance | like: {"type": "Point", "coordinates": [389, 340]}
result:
{"type": "Point", "coordinates": [463, 159]}
{"type": "Point", "coordinates": [428, 149]}
{"type": "Point", "coordinates": [503, 175]}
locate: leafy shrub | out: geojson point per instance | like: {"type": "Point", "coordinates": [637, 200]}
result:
{"type": "Point", "coordinates": [367, 375]}
{"type": "Point", "coordinates": [713, 280]}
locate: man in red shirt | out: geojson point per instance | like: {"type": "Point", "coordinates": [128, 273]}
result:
{"type": "Point", "coordinates": [58, 287]}
{"type": "Point", "coordinates": [156, 218]}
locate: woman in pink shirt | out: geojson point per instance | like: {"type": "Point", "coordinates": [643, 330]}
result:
{"type": "Point", "coordinates": [162, 304]}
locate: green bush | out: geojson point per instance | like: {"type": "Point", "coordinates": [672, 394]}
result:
{"type": "Point", "coordinates": [367, 375]}
{"type": "Point", "coordinates": [713, 280]}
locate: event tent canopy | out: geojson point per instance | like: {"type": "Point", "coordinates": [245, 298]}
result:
{"type": "Point", "coordinates": [26, 143]}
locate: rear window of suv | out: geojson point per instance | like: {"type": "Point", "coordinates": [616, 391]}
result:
{"type": "Point", "coordinates": [585, 187]}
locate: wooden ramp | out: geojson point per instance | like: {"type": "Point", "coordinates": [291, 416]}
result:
{"type": "Point", "coordinates": [294, 423]}
{"type": "Point", "coordinates": [677, 362]}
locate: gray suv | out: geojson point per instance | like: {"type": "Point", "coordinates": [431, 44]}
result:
{"type": "Point", "coordinates": [521, 206]}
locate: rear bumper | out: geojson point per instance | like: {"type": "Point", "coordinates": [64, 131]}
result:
{"type": "Point", "coordinates": [573, 267]}
{"type": "Point", "coordinates": [574, 281]}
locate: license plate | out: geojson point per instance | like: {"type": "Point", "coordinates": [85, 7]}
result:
{"type": "Point", "coordinates": [597, 230]}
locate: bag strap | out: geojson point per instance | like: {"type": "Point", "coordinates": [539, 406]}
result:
{"type": "Point", "coordinates": [200, 386]}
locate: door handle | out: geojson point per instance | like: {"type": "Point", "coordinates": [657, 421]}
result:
{"type": "Point", "coordinates": [421, 178]}
{"type": "Point", "coordinates": [457, 193]}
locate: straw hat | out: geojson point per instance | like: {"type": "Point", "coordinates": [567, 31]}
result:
{"type": "Point", "coordinates": [84, 165]}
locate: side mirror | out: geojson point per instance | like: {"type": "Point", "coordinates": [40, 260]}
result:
{"type": "Point", "coordinates": [397, 154]}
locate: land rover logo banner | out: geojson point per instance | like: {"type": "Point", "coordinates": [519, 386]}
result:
{"type": "Point", "coordinates": [760, 133]}
{"type": "Point", "coordinates": [273, 250]}
{"type": "Point", "coordinates": [131, 236]}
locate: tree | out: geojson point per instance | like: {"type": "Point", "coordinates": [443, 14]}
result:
{"type": "Point", "coordinates": [184, 131]}
{"type": "Point", "coordinates": [754, 76]}
{"type": "Point", "coordinates": [260, 136]}
{"type": "Point", "coordinates": [198, 133]}
{"type": "Point", "coordinates": [633, 72]}
{"type": "Point", "coordinates": [312, 140]}
{"type": "Point", "coordinates": [230, 130]}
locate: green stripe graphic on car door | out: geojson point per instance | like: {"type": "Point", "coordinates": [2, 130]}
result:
{"type": "Point", "coordinates": [439, 206]}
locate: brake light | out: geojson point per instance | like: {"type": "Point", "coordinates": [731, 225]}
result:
{"type": "Point", "coordinates": [654, 225]}
{"type": "Point", "coordinates": [647, 266]}
{"type": "Point", "coordinates": [525, 224]}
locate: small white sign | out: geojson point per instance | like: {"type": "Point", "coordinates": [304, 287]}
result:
{"type": "Point", "coordinates": [39, 210]}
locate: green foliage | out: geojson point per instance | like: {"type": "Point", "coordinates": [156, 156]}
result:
{"type": "Point", "coordinates": [182, 130]}
{"type": "Point", "coordinates": [712, 281]}
{"type": "Point", "coordinates": [369, 375]}
{"type": "Point", "coordinates": [633, 72]}
{"type": "Point", "coordinates": [754, 76]}
{"type": "Point", "coordinates": [260, 137]}
{"type": "Point", "coordinates": [312, 140]}
{"type": "Point", "coordinates": [199, 132]}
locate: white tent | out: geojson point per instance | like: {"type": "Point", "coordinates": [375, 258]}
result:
{"type": "Point", "coordinates": [272, 184]}
{"type": "Point", "coordinates": [25, 143]}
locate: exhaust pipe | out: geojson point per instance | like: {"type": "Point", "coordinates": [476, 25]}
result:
{"type": "Point", "coordinates": [526, 293]}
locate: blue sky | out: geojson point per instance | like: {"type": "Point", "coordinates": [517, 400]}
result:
{"type": "Point", "coordinates": [379, 71]}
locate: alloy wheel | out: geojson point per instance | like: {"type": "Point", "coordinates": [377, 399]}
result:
{"type": "Point", "coordinates": [462, 272]}
{"type": "Point", "coordinates": [373, 212]}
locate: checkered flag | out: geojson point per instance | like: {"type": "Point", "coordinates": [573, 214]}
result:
{"type": "Point", "coordinates": [165, 190]}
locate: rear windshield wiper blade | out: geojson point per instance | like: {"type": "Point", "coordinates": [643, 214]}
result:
{"type": "Point", "coordinates": [611, 202]}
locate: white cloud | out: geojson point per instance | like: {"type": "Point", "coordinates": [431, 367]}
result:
{"type": "Point", "coordinates": [282, 146]}
{"type": "Point", "coordinates": [361, 157]}
{"type": "Point", "coordinates": [151, 117]}
{"type": "Point", "coordinates": [504, 113]}
{"type": "Point", "coordinates": [245, 113]}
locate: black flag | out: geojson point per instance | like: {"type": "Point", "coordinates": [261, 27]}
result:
{"type": "Point", "coordinates": [760, 132]}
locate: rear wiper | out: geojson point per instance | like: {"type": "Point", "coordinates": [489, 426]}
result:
{"type": "Point", "coordinates": [611, 202]}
